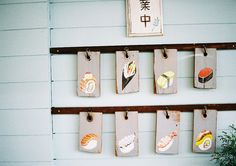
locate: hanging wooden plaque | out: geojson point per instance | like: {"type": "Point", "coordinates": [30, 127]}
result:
{"type": "Point", "coordinates": [127, 134]}
{"type": "Point", "coordinates": [204, 130]}
{"type": "Point", "coordinates": [165, 71]}
{"type": "Point", "coordinates": [167, 132]}
{"type": "Point", "coordinates": [88, 74]}
{"type": "Point", "coordinates": [205, 68]}
{"type": "Point", "coordinates": [90, 132]}
{"type": "Point", "coordinates": [127, 72]}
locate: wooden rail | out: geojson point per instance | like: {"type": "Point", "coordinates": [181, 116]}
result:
{"type": "Point", "coordinates": [143, 109]}
{"type": "Point", "coordinates": [142, 48]}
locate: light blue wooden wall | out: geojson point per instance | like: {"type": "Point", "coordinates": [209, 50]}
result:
{"type": "Point", "coordinates": [25, 100]}
{"type": "Point", "coordinates": [29, 135]}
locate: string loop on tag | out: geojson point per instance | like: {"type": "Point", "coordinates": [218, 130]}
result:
{"type": "Point", "coordinates": [205, 51]}
{"type": "Point", "coordinates": [164, 53]}
{"type": "Point", "coordinates": [87, 55]}
{"type": "Point", "coordinates": [204, 112]}
{"type": "Point", "coordinates": [166, 113]}
{"type": "Point", "coordinates": [89, 116]}
{"type": "Point", "coordinates": [126, 115]}
{"type": "Point", "coordinates": [126, 52]}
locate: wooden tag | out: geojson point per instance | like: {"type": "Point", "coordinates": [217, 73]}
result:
{"type": "Point", "coordinates": [204, 131]}
{"type": "Point", "coordinates": [167, 132]}
{"type": "Point", "coordinates": [127, 134]}
{"type": "Point", "coordinates": [205, 68]}
{"type": "Point", "coordinates": [88, 74]}
{"type": "Point", "coordinates": [127, 72]}
{"type": "Point", "coordinates": [165, 71]}
{"type": "Point", "coordinates": [90, 132]}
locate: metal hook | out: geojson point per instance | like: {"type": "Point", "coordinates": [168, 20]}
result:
{"type": "Point", "coordinates": [166, 113]}
{"type": "Point", "coordinates": [87, 55]}
{"type": "Point", "coordinates": [126, 115]}
{"type": "Point", "coordinates": [89, 116]}
{"type": "Point", "coordinates": [126, 52]}
{"type": "Point", "coordinates": [165, 54]}
{"type": "Point", "coordinates": [205, 51]}
{"type": "Point", "coordinates": [204, 112]}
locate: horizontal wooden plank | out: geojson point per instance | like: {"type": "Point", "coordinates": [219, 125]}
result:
{"type": "Point", "coordinates": [66, 146]}
{"type": "Point", "coordinates": [26, 148]}
{"type": "Point", "coordinates": [21, 16]}
{"type": "Point", "coordinates": [112, 13]}
{"type": "Point", "coordinates": [39, 163]}
{"type": "Point", "coordinates": [25, 122]}
{"type": "Point", "coordinates": [64, 94]}
{"type": "Point", "coordinates": [225, 65]}
{"type": "Point", "coordinates": [25, 95]}
{"type": "Point", "coordinates": [152, 161]}
{"type": "Point", "coordinates": [24, 42]}
{"type": "Point", "coordinates": [5, 2]}
{"type": "Point", "coordinates": [94, 36]}
{"type": "Point", "coordinates": [16, 69]}
{"type": "Point", "coordinates": [147, 122]}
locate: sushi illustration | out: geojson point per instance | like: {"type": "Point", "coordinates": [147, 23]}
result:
{"type": "Point", "coordinates": [89, 141]}
{"type": "Point", "coordinates": [128, 73]}
{"type": "Point", "coordinates": [166, 80]}
{"type": "Point", "coordinates": [88, 83]}
{"type": "Point", "coordinates": [204, 140]}
{"type": "Point", "coordinates": [166, 142]}
{"type": "Point", "coordinates": [205, 75]}
{"type": "Point", "coordinates": [126, 144]}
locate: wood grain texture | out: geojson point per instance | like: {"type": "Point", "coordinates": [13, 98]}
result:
{"type": "Point", "coordinates": [165, 71]}
{"type": "Point", "coordinates": [127, 135]}
{"type": "Point", "coordinates": [127, 72]}
{"type": "Point", "coordinates": [167, 132]}
{"type": "Point", "coordinates": [90, 132]}
{"type": "Point", "coordinates": [204, 131]}
{"type": "Point", "coordinates": [205, 68]}
{"type": "Point", "coordinates": [88, 74]}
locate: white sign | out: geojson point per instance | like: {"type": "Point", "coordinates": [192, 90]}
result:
{"type": "Point", "coordinates": [144, 17]}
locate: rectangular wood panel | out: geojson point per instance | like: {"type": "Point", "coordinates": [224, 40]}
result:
{"type": "Point", "coordinates": [88, 84]}
{"type": "Point", "coordinates": [127, 72]}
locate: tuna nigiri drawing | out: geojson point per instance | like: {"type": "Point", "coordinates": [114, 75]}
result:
{"type": "Point", "coordinates": [205, 75]}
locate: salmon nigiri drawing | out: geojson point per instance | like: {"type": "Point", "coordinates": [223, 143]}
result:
{"type": "Point", "coordinates": [205, 75]}
{"type": "Point", "coordinates": [166, 142]}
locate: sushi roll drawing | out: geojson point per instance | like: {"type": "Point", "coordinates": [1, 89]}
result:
{"type": "Point", "coordinates": [166, 142]}
{"type": "Point", "coordinates": [166, 80]}
{"type": "Point", "coordinates": [205, 75]}
{"type": "Point", "coordinates": [128, 73]}
{"type": "Point", "coordinates": [204, 140]}
{"type": "Point", "coordinates": [89, 141]}
{"type": "Point", "coordinates": [126, 144]}
{"type": "Point", "coordinates": [88, 83]}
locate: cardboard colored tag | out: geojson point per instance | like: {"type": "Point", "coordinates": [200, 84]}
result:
{"type": "Point", "coordinates": [165, 71]}
{"type": "Point", "coordinates": [127, 72]}
{"type": "Point", "coordinates": [90, 132]}
{"type": "Point", "coordinates": [88, 74]}
{"type": "Point", "coordinates": [204, 131]}
{"type": "Point", "coordinates": [167, 132]}
{"type": "Point", "coordinates": [205, 68]}
{"type": "Point", "coordinates": [127, 134]}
